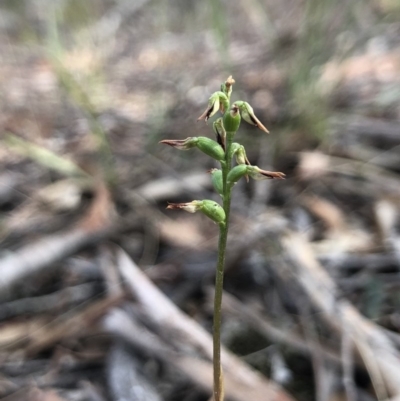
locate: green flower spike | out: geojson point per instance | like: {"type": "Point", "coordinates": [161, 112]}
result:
{"type": "Point", "coordinates": [208, 207]}
{"type": "Point", "coordinates": [248, 115]}
{"type": "Point", "coordinates": [224, 150]}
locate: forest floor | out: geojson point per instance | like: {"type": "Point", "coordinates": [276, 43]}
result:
{"type": "Point", "coordinates": [104, 294]}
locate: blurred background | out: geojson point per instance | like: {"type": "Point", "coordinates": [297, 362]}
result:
{"type": "Point", "coordinates": [92, 263]}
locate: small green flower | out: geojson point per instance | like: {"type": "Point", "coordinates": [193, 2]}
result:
{"type": "Point", "coordinates": [217, 101]}
{"type": "Point", "coordinates": [206, 145]}
{"type": "Point", "coordinates": [208, 207]}
{"type": "Point", "coordinates": [254, 172]}
{"type": "Point", "coordinates": [257, 174]}
{"type": "Point", "coordinates": [241, 157]}
{"type": "Point", "coordinates": [248, 115]}
{"type": "Point", "coordinates": [234, 148]}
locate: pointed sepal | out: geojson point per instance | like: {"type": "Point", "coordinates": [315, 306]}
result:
{"type": "Point", "coordinates": [257, 174]}
{"type": "Point", "coordinates": [181, 144]}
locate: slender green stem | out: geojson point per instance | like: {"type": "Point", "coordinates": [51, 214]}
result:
{"type": "Point", "coordinates": [219, 278]}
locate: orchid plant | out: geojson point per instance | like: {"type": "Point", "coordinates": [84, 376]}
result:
{"type": "Point", "coordinates": [223, 150]}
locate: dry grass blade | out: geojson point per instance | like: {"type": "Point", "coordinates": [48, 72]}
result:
{"type": "Point", "coordinates": [43, 156]}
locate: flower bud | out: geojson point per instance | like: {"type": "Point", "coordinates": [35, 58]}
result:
{"type": "Point", "coordinates": [220, 132]}
{"type": "Point", "coordinates": [208, 207]}
{"type": "Point", "coordinates": [216, 179]}
{"type": "Point", "coordinates": [211, 148]}
{"type": "Point", "coordinates": [248, 115]}
{"type": "Point", "coordinates": [237, 173]}
{"type": "Point", "coordinates": [214, 211]}
{"type": "Point", "coordinates": [217, 101]}
{"type": "Point", "coordinates": [231, 119]}
{"type": "Point", "coordinates": [226, 87]}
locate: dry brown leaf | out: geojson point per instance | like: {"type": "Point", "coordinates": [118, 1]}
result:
{"type": "Point", "coordinates": [11, 334]}
{"type": "Point", "coordinates": [36, 394]}
{"type": "Point", "coordinates": [312, 165]}
{"type": "Point", "coordinates": [349, 240]}
{"type": "Point", "coordinates": [370, 67]}
{"type": "Point", "coordinates": [340, 235]}
{"type": "Point", "coordinates": [328, 212]}
{"type": "Point", "coordinates": [63, 195]}
{"type": "Point", "coordinates": [181, 232]}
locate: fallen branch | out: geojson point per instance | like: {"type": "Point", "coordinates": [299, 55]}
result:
{"type": "Point", "coordinates": [36, 257]}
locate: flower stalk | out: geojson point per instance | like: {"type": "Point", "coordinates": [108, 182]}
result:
{"type": "Point", "coordinates": [224, 150]}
